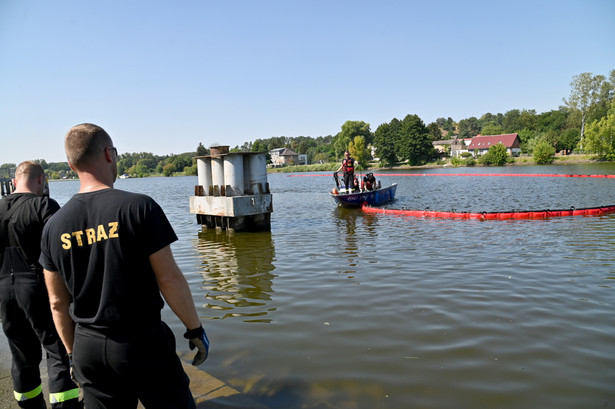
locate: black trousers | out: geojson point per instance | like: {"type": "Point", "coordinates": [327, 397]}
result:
{"type": "Point", "coordinates": [349, 180]}
{"type": "Point", "coordinates": [116, 368]}
{"type": "Point", "coordinates": [28, 324]}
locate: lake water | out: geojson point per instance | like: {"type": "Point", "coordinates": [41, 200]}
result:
{"type": "Point", "coordinates": [335, 308]}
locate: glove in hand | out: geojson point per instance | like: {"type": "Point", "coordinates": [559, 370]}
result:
{"type": "Point", "coordinates": [197, 338]}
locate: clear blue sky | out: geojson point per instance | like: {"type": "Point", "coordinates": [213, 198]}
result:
{"type": "Point", "coordinates": [162, 76]}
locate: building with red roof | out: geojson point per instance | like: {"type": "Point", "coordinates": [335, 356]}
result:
{"type": "Point", "coordinates": [480, 144]}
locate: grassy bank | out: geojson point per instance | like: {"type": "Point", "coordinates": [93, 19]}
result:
{"type": "Point", "coordinates": [516, 161]}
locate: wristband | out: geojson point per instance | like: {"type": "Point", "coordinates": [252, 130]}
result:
{"type": "Point", "coordinates": [194, 333]}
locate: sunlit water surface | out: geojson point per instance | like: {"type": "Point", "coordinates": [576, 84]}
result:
{"type": "Point", "coordinates": [335, 308]}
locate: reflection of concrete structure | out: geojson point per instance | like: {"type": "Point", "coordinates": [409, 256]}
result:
{"type": "Point", "coordinates": [233, 192]}
{"type": "Point", "coordinates": [237, 271]}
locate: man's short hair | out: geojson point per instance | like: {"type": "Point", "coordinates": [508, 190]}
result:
{"type": "Point", "coordinates": [28, 169]}
{"type": "Point", "coordinates": [83, 142]}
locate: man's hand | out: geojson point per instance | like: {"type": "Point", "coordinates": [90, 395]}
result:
{"type": "Point", "coordinates": [197, 338]}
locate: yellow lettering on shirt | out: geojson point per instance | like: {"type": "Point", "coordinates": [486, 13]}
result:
{"type": "Point", "coordinates": [65, 241]}
{"type": "Point", "coordinates": [77, 235]}
{"type": "Point", "coordinates": [102, 234]}
{"type": "Point", "coordinates": [113, 230]}
{"type": "Point", "coordinates": [92, 235]}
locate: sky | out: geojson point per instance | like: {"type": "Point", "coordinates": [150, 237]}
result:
{"type": "Point", "coordinates": [164, 76]}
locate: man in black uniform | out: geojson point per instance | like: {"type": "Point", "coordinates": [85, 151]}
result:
{"type": "Point", "coordinates": [107, 260]}
{"type": "Point", "coordinates": [24, 306]}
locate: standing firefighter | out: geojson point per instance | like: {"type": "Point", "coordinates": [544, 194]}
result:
{"type": "Point", "coordinates": [24, 304]}
{"type": "Point", "coordinates": [108, 264]}
{"type": "Point", "coordinates": [348, 165]}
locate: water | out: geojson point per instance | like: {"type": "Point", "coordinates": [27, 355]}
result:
{"type": "Point", "coordinates": [339, 309]}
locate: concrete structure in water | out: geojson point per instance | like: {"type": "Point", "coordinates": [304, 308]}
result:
{"type": "Point", "coordinates": [6, 181]}
{"type": "Point", "coordinates": [232, 191]}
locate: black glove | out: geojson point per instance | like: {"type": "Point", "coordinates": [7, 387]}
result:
{"type": "Point", "coordinates": [197, 338]}
{"type": "Point", "coordinates": [72, 368]}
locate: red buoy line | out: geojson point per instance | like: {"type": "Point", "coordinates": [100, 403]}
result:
{"type": "Point", "coordinates": [533, 175]}
{"type": "Point", "coordinates": [522, 214]}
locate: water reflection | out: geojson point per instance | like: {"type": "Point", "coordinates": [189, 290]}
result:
{"type": "Point", "coordinates": [237, 268]}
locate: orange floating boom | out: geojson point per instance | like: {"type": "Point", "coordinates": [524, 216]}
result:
{"type": "Point", "coordinates": [523, 214]}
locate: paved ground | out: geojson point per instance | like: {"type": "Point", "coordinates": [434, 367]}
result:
{"type": "Point", "coordinates": [208, 391]}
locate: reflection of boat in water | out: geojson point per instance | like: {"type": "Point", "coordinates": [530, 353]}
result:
{"type": "Point", "coordinates": [374, 197]}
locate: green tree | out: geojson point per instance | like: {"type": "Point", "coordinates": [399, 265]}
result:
{"type": "Point", "coordinates": [568, 140]}
{"type": "Point", "coordinates": [600, 136]}
{"type": "Point", "coordinates": [543, 152]}
{"type": "Point", "coordinates": [434, 131]}
{"type": "Point", "coordinates": [469, 128]}
{"type": "Point", "coordinates": [413, 142]}
{"type": "Point", "coordinates": [496, 155]}
{"type": "Point", "coordinates": [585, 93]}
{"type": "Point", "coordinates": [201, 150]}
{"type": "Point", "coordinates": [447, 124]}
{"type": "Point", "coordinates": [350, 130]}
{"type": "Point", "coordinates": [492, 128]}
{"type": "Point", "coordinates": [359, 151]}
{"type": "Point", "coordinates": [385, 141]}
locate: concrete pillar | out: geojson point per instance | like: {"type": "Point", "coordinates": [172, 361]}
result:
{"type": "Point", "coordinates": [233, 174]}
{"type": "Point", "coordinates": [258, 173]}
{"type": "Point", "coordinates": [217, 175]}
{"type": "Point", "coordinates": [204, 173]}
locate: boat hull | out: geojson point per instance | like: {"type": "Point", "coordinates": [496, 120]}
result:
{"type": "Point", "coordinates": [376, 197]}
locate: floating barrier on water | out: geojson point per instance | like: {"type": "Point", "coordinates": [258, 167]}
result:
{"type": "Point", "coordinates": [527, 175]}
{"type": "Point", "coordinates": [522, 214]}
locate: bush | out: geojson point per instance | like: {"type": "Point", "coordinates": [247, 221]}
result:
{"type": "Point", "coordinates": [496, 156]}
{"type": "Point", "coordinates": [544, 152]}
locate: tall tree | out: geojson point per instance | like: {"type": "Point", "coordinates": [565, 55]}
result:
{"type": "Point", "coordinates": [350, 130]}
{"type": "Point", "coordinates": [585, 93]}
{"type": "Point", "coordinates": [469, 128]}
{"type": "Point", "coordinates": [413, 143]}
{"type": "Point", "coordinates": [385, 141]}
{"type": "Point", "coordinates": [434, 131]}
{"type": "Point", "coordinates": [600, 136]}
{"type": "Point", "coordinates": [359, 151]}
{"type": "Point", "coordinates": [201, 150]}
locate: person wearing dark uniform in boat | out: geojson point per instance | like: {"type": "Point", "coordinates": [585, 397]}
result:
{"type": "Point", "coordinates": [24, 306]}
{"type": "Point", "coordinates": [348, 165]}
{"type": "Point", "coordinates": [369, 182]}
{"type": "Point", "coordinates": [356, 187]}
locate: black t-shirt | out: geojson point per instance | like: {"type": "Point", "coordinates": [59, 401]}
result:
{"type": "Point", "coordinates": [100, 243]}
{"type": "Point", "coordinates": [24, 227]}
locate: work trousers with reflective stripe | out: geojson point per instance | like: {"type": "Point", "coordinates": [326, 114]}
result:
{"type": "Point", "coordinates": [117, 368]}
{"type": "Point", "coordinates": [27, 324]}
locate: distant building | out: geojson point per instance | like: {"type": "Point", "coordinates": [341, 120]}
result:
{"type": "Point", "coordinates": [480, 144]}
{"type": "Point", "coordinates": [460, 146]}
{"type": "Point", "coordinates": [441, 146]}
{"type": "Point", "coordinates": [284, 157]}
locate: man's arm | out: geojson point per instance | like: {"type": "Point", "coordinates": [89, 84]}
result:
{"type": "Point", "coordinates": [174, 287]}
{"type": "Point", "coordinates": [59, 300]}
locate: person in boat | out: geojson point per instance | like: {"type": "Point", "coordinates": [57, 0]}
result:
{"type": "Point", "coordinates": [348, 165]}
{"type": "Point", "coordinates": [356, 187]}
{"type": "Point", "coordinates": [369, 182]}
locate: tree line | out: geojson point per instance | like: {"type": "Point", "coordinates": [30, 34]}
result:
{"type": "Point", "coordinates": [585, 123]}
